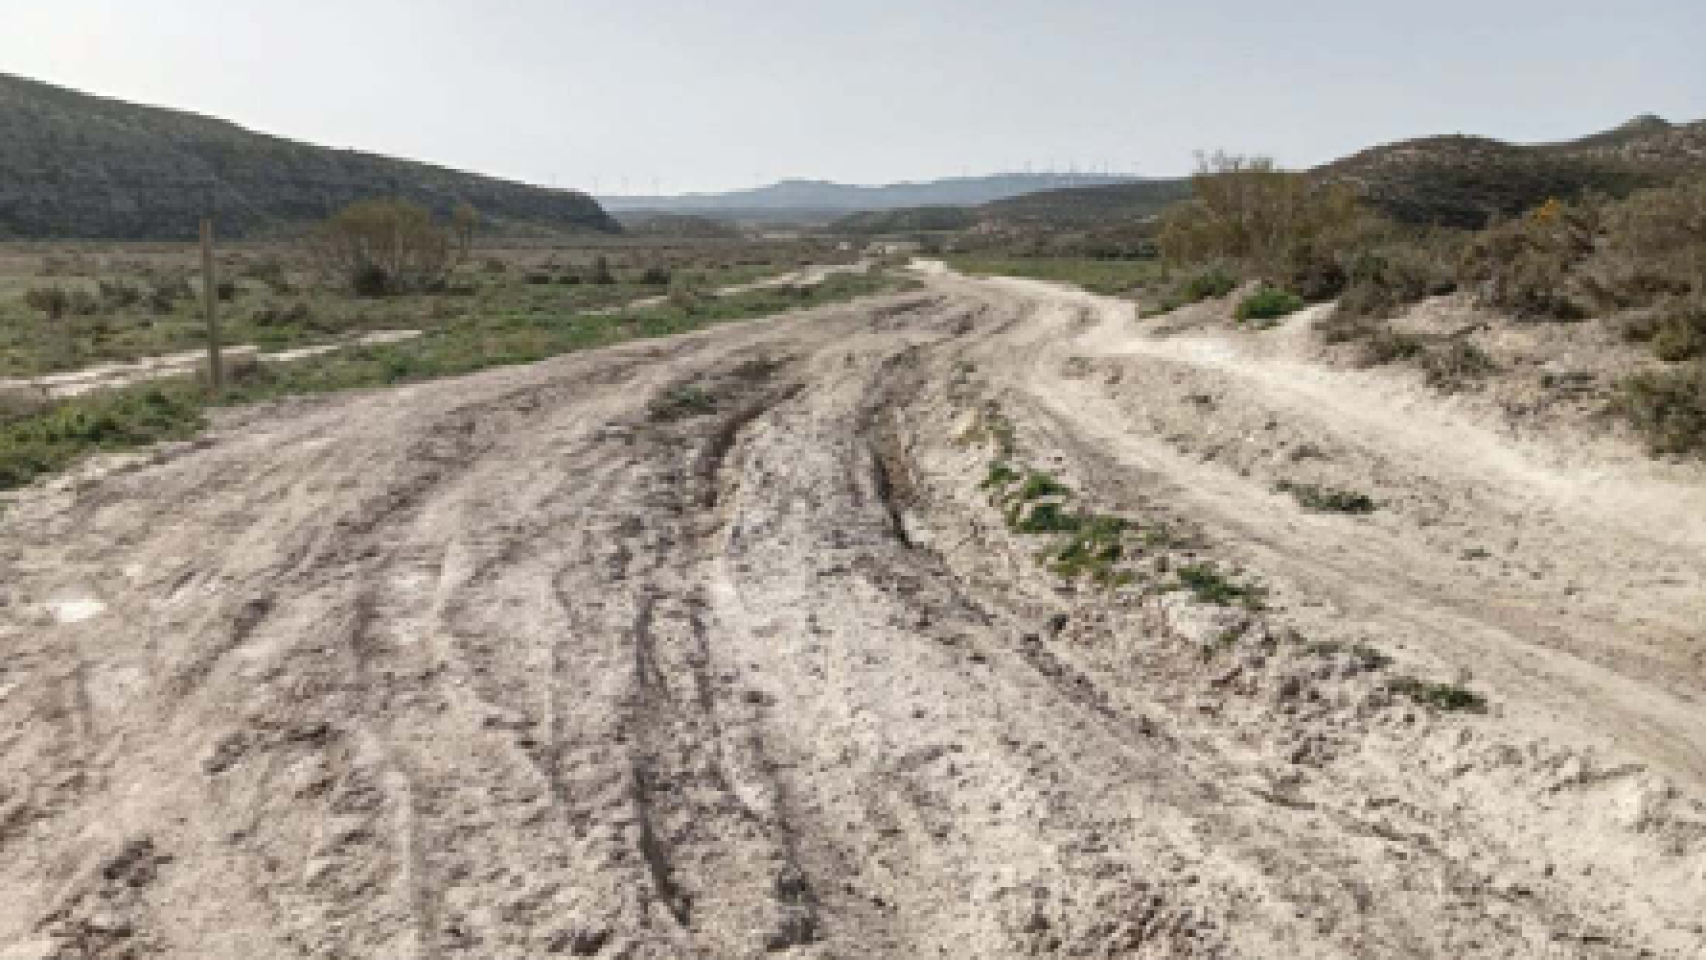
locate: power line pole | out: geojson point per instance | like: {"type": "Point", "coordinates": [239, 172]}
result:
{"type": "Point", "coordinates": [210, 295]}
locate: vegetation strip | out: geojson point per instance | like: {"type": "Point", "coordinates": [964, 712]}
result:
{"type": "Point", "coordinates": [36, 442]}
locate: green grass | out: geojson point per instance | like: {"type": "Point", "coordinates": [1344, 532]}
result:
{"type": "Point", "coordinates": [1093, 549]}
{"type": "Point", "coordinates": [1043, 518]}
{"type": "Point", "coordinates": [1000, 477]}
{"type": "Point", "coordinates": [47, 442]}
{"type": "Point", "coordinates": [1209, 585]}
{"type": "Point", "coordinates": [1328, 499]}
{"type": "Point", "coordinates": [1206, 284]}
{"type": "Point", "coordinates": [1038, 485]}
{"type": "Point", "coordinates": [1447, 697]}
{"type": "Point", "coordinates": [1109, 277]}
{"type": "Point", "coordinates": [258, 315]}
{"type": "Point", "coordinates": [1267, 305]}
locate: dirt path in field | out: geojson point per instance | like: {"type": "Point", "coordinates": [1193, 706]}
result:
{"type": "Point", "coordinates": [573, 660]}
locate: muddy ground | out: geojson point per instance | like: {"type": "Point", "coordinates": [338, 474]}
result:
{"type": "Point", "coordinates": [726, 646]}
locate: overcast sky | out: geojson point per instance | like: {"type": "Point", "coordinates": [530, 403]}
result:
{"type": "Point", "coordinates": [623, 95]}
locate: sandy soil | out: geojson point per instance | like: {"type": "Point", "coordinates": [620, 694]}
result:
{"type": "Point", "coordinates": [518, 665]}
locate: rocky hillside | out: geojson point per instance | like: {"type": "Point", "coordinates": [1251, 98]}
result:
{"type": "Point", "coordinates": [78, 166]}
{"type": "Point", "coordinates": [1464, 181]}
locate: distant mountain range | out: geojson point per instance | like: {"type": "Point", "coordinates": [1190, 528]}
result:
{"type": "Point", "coordinates": [78, 166]}
{"type": "Point", "coordinates": [824, 197]}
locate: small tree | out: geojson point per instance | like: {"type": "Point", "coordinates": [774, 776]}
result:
{"type": "Point", "coordinates": [1283, 226]}
{"type": "Point", "coordinates": [382, 247]}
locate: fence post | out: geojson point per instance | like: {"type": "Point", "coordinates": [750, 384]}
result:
{"type": "Point", "coordinates": [210, 301]}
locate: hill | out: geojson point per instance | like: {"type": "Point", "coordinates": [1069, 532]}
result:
{"type": "Point", "coordinates": [1463, 181]}
{"type": "Point", "coordinates": [1457, 181]}
{"type": "Point", "coordinates": [1123, 201]}
{"type": "Point", "coordinates": [79, 166]}
{"type": "Point", "coordinates": [1062, 208]}
{"type": "Point", "coordinates": [822, 196]}
{"type": "Point", "coordinates": [907, 220]}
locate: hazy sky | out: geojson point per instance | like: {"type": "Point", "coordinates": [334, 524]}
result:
{"type": "Point", "coordinates": [625, 94]}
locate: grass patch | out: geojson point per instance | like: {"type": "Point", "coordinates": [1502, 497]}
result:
{"type": "Point", "coordinates": [1094, 549]}
{"type": "Point", "coordinates": [1447, 697]}
{"type": "Point", "coordinates": [1209, 585]}
{"type": "Point", "coordinates": [1329, 500]}
{"type": "Point", "coordinates": [49, 441]}
{"type": "Point", "coordinates": [1000, 477]}
{"type": "Point", "coordinates": [681, 402]}
{"type": "Point", "coordinates": [1038, 485]}
{"type": "Point", "coordinates": [1043, 518]}
{"type": "Point", "coordinates": [1206, 284]}
{"type": "Point", "coordinates": [1267, 305]}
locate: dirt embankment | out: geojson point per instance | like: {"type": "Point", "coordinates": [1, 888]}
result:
{"type": "Point", "coordinates": [728, 645]}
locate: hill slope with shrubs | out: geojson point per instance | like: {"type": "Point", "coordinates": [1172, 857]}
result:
{"type": "Point", "coordinates": [1629, 270]}
{"type": "Point", "coordinates": [74, 166]}
{"type": "Point", "coordinates": [1466, 182]}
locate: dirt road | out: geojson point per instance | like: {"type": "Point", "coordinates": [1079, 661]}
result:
{"type": "Point", "coordinates": [718, 646]}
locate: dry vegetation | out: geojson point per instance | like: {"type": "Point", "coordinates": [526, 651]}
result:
{"type": "Point", "coordinates": [1637, 263]}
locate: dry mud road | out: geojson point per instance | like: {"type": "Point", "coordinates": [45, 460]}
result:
{"type": "Point", "coordinates": [532, 663]}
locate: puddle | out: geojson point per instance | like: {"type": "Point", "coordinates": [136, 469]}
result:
{"type": "Point", "coordinates": [76, 609]}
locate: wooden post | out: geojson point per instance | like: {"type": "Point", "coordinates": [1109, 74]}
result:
{"type": "Point", "coordinates": [210, 304]}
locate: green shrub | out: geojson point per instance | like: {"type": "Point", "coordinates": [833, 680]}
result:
{"type": "Point", "coordinates": [1038, 485]}
{"type": "Point", "coordinates": [1329, 500]}
{"type": "Point", "coordinates": [1000, 477]}
{"type": "Point", "coordinates": [1668, 408]}
{"type": "Point", "coordinates": [1044, 518]}
{"type": "Point", "coordinates": [1216, 281]}
{"type": "Point", "coordinates": [1441, 696]}
{"type": "Point", "coordinates": [1267, 304]}
{"type": "Point", "coordinates": [1209, 585]}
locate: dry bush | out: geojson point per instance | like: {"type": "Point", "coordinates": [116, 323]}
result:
{"type": "Point", "coordinates": [1283, 227]}
{"type": "Point", "coordinates": [382, 247]}
{"type": "Point", "coordinates": [1654, 246]}
{"type": "Point", "coordinates": [1668, 408]}
{"type": "Point", "coordinates": [1455, 364]}
{"type": "Point", "coordinates": [1404, 269]}
{"type": "Point", "coordinates": [1529, 266]}
{"type": "Point", "coordinates": [1677, 329]}
{"type": "Point", "coordinates": [1569, 261]}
